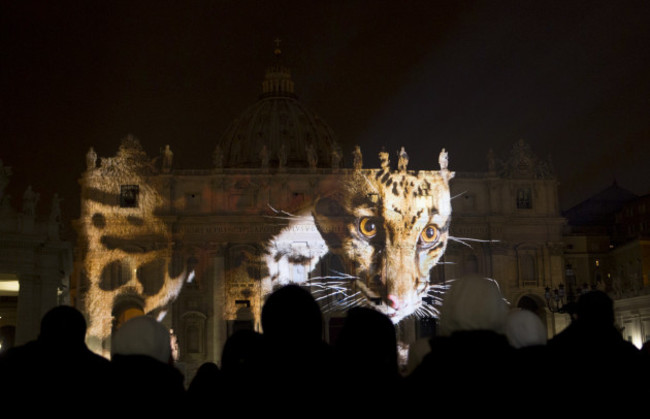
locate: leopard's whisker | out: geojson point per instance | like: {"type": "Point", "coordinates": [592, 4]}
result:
{"type": "Point", "coordinates": [463, 240]}
{"type": "Point", "coordinates": [350, 296]}
{"type": "Point", "coordinates": [459, 240]}
{"type": "Point", "coordinates": [279, 211]}
{"type": "Point", "coordinates": [458, 195]}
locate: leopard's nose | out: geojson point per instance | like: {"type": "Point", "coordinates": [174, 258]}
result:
{"type": "Point", "coordinates": [394, 301]}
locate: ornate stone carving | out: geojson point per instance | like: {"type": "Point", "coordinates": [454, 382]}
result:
{"type": "Point", "coordinates": [384, 160]}
{"type": "Point", "coordinates": [91, 159]}
{"type": "Point", "coordinates": [30, 199]}
{"type": "Point", "coordinates": [282, 158]}
{"type": "Point", "coordinates": [523, 164]}
{"type": "Point", "coordinates": [167, 156]}
{"type": "Point", "coordinates": [443, 160]}
{"type": "Point", "coordinates": [130, 157]}
{"type": "Point", "coordinates": [55, 211]}
{"type": "Point", "coordinates": [357, 158]}
{"type": "Point", "coordinates": [264, 158]}
{"type": "Point", "coordinates": [402, 161]}
{"type": "Point", "coordinates": [336, 158]}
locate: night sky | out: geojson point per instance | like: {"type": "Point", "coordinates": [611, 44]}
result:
{"type": "Point", "coordinates": [572, 78]}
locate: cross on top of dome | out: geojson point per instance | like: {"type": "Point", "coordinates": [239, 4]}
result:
{"type": "Point", "coordinates": [278, 131]}
{"type": "Point", "coordinates": [277, 80]}
{"type": "Point", "coordinates": [277, 50]}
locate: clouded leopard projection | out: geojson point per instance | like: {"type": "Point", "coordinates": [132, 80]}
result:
{"type": "Point", "coordinates": [354, 236]}
{"type": "Point", "coordinates": [389, 229]}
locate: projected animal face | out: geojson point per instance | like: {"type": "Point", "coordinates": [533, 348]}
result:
{"type": "Point", "coordinates": [389, 228]}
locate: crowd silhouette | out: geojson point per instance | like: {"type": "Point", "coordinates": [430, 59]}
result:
{"type": "Point", "coordinates": [486, 357]}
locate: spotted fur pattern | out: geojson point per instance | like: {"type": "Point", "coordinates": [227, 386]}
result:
{"type": "Point", "coordinates": [129, 256]}
{"type": "Point", "coordinates": [389, 228]}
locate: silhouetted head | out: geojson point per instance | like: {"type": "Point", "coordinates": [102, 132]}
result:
{"type": "Point", "coordinates": [290, 314]}
{"type": "Point", "coordinates": [595, 308]}
{"type": "Point", "coordinates": [207, 370]}
{"type": "Point", "coordinates": [206, 381]}
{"type": "Point", "coordinates": [524, 328]}
{"type": "Point", "coordinates": [368, 339]}
{"type": "Point", "coordinates": [473, 303]}
{"type": "Point", "coordinates": [241, 352]}
{"type": "Point", "coordinates": [142, 335]}
{"type": "Point", "coordinates": [63, 327]}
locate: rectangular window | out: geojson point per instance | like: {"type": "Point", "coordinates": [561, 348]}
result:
{"type": "Point", "coordinates": [129, 196]}
{"type": "Point", "coordinates": [243, 303]}
{"type": "Point", "coordinates": [528, 270]}
{"type": "Point", "coordinates": [524, 199]}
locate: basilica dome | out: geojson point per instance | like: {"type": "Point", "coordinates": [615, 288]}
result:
{"type": "Point", "coordinates": [278, 129]}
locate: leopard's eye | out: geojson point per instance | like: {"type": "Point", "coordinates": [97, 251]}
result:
{"type": "Point", "coordinates": [429, 235]}
{"type": "Point", "coordinates": [368, 227]}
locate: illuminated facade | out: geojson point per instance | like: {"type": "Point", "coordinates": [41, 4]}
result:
{"type": "Point", "coordinates": [35, 264]}
{"type": "Point", "coordinates": [514, 209]}
{"type": "Point", "coordinates": [174, 244]}
{"type": "Point", "coordinates": [157, 240]}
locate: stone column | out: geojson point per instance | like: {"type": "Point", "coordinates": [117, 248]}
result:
{"type": "Point", "coordinates": [217, 327]}
{"type": "Point", "coordinates": [49, 292]}
{"type": "Point", "coordinates": [28, 311]}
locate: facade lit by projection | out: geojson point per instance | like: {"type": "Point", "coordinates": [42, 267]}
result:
{"type": "Point", "coordinates": [177, 244]}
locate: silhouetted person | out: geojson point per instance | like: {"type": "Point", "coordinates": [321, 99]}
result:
{"type": "Point", "coordinates": [593, 329]}
{"type": "Point", "coordinates": [367, 362]}
{"type": "Point", "coordinates": [297, 362]}
{"type": "Point", "coordinates": [241, 356]}
{"type": "Point", "coordinates": [145, 378]}
{"type": "Point", "coordinates": [241, 363]}
{"type": "Point", "coordinates": [645, 348]}
{"type": "Point", "coordinates": [594, 354]}
{"type": "Point", "coordinates": [524, 329]}
{"type": "Point", "coordinates": [528, 336]}
{"type": "Point", "coordinates": [58, 364]}
{"type": "Point", "coordinates": [206, 388]}
{"type": "Point", "coordinates": [471, 357]}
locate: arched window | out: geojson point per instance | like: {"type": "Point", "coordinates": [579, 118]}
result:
{"type": "Point", "coordinates": [126, 308]}
{"type": "Point", "coordinates": [192, 339]}
{"type": "Point", "coordinates": [128, 314]}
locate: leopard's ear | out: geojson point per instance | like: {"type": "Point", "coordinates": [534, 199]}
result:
{"type": "Point", "coordinates": [328, 207]}
{"type": "Point", "coordinates": [331, 219]}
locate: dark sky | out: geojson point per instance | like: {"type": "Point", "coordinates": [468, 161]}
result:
{"type": "Point", "coordinates": [572, 78]}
